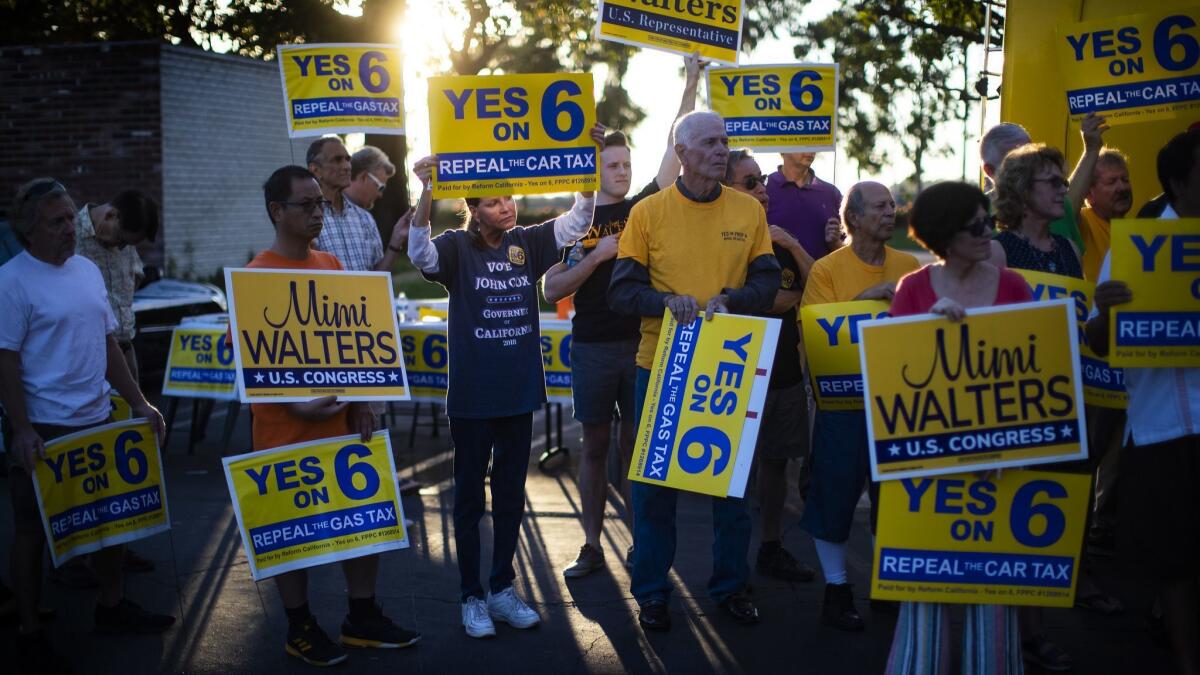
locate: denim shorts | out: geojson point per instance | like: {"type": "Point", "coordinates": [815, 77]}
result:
{"type": "Point", "coordinates": [602, 379]}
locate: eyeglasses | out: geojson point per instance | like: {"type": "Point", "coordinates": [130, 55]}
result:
{"type": "Point", "coordinates": [981, 226]}
{"type": "Point", "coordinates": [310, 206]}
{"type": "Point", "coordinates": [1054, 182]}
{"type": "Point", "coordinates": [378, 183]}
{"type": "Point", "coordinates": [751, 182]}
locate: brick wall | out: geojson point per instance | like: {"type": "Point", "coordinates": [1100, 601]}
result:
{"type": "Point", "coordinates": [223, 133]}
{"type": "Point", "coordinates": [85, 114]}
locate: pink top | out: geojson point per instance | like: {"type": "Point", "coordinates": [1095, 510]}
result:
{"type": "Point", "coordinates": [915, 294]}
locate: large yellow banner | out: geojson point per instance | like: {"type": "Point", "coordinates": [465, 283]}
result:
{"type": "Point", "coordinates": [707, 389]}
{"type": "Point", "coordinates": [314, 503]}
{"type": "Point", "coordinates": [556, 359]}
{"type": "Point", "coordinates": [712, 27]}
{"type": "Point", "coordinates": [342, 88]}
{"type": "Point", "coordinates": [1103, 385]}
{"type": "Point", "coordinates": [1009, 539]}
{"type": "Point", "coordinates": [303, 334]}
{"type": "Point", "coordinates": [1000, 389]}
{"type": "Point", "coordinates": [777, 108]}
{"type": "Point", "coordinates": [1133, 68]}
{"type": "Point", "coordinates": [101, 487]}
{"type": "Point", "coordinates": [831, 350]}
{"type": "Point", "coordinates": [200, 363]}
{"type": "Point", "coordinates": [1160, 261]}
{"type": "Point", "coordinates": [512, 134]}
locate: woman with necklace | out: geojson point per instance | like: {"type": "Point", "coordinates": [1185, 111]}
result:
{"type": "Point", "coordinates": [1030, 194]}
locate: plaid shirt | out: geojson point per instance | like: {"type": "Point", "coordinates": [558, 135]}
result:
{"type": "Point", "coordinates": [351, 236]}
{"type": "Point", "coordinates": [120, 268]}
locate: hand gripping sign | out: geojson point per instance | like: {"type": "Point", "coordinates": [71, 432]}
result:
{"type": "Point", "coordinates": [831, 349]}
{"type": "Point", "coordinates": [707, 389]}
{"type": "Point", "coordinates": [1008, 539]}
{"type": "Point", "coordinates": [779, 108]}
{"type": "Point", "coordinates": [200, 363]}
{"type": "Point", "coordinates": [303, 334]}
{"type": "Point", "coordinates": [1133, 68]}
{"type": "Point", "coordinates": [512, 134]}
{"type": "Point", "coordinates": [1000, 389]}
{"type": "Point", "coordinates": [101, 487]}
{"type": "Point", "coordinates": [341, 89]}
{"type": "Point", "coordinates": [711, 27]}
{"type": "Point", "coordinates": [1160, 261]}
{"type": "Point", "coordinates": [314, 503]}
{"type": "Point", "coordinates": [556, 359]}
{"type": "Point", "coordinates": [1103, 385]}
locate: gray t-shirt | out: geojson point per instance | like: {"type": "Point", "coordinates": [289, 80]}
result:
{"type": "Point", "coordinates": [493, 332]}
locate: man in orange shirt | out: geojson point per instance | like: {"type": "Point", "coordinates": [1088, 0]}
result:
{"type": "Point", "coordinates": [296, 208]}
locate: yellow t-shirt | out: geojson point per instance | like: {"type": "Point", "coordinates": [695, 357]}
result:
{"type": "Point", "coordinates": [693, 248]}
{"type": "Point", "coordinates": [1096, 233]}
{"type": "Point", "coordinates": [842, 275]}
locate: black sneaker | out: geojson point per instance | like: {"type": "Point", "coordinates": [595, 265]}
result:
{"type": "Point", "coordinates": [740, 608]}
{"type": "Point", "coordinates": [1039, 651]}
{"type": "Point", "coordinates": [776, 562]}
{"type": "Point", "coordinates": [35, 655]}
{"type": "Point", "coordinates": [654, 615]}
{"type": "Point", "coordinates": [378, 631]}
{"type": "Point", "coordinates": [838, 610]}
{"type": "Point", "coordinates": [311, 645]}
{"type": "Point", "coordinates": [128, 618]}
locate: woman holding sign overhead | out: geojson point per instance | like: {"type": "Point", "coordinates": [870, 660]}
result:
{"type": "Point", "coordinates": [490, 269]}
{"type": "Point", "coordinates": [951, 220]}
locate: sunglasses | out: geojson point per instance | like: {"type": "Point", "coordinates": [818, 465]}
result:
{"type": "Point", "coordinates": [751, 182]}
{"type": "Point", "coordinates": [980, 227]}
{"type": "Point", "coordinates": [378, 183]}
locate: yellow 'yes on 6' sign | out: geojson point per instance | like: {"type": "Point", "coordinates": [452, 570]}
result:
{"type": "Point", "coordinates": [556, 359]}
{"type": "Point", "coordinates": [426, 360]}
{"type": "Point", "coordinates": [707, 389]}
{"type": "Point", "coordinates": [1011, 540]}
{"type": "Point", "coordinates": [1160, 261]}
{"type": "Point", "coordinates": [314, 503]}
{"type": "Point", "coordinates": [999, 389]}
{"type": "Point", "coordinates": [101, 487]}
{"type": "Point", "coordinates": [782, 108]}
{"type": "Point", "coordinates": [831, 347]}
{"type": "Point", "coordinates": [342, 88]}
{"type": "Point", "coordinates": [200, 363]}
{"type": "Point", "coordinates": [1103, 385]}
{"type": "Point", "coordinates": [303, 334]}
{"type": "Point", "coordinates": [1133, 68]}
{"type": "Point", "coordinates": [711, 27]}
{"type": "Point", "coordinates": [512, 134]}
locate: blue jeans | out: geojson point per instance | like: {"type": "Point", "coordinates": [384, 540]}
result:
{"type": "Point", "coordinates": [654, 534]}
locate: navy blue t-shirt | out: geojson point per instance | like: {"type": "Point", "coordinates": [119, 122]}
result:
{"type": "Point", "coordinates": [493, 332]}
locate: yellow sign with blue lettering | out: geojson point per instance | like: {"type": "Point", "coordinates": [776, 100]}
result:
{"type": "Point", "coordinates": [200, 363]}
{"type": "Point", "coordinates": [303, 334]}
{"type": "Point", "coordinates": [778, 108]}
{"type": "Point", "coordinates": [1133, 68]}
{"type": "Point", "coordinates": [707, 389]}
{"type": "Point", "coordinates": [834, 367]}
{"type": "Point", "coordinates": [512, 134]}
{"type": "Point", "coordinates": [556, 359]}
{"type": "Point", "coordinates": [1012, 538]}
{"type": "Point", "coordinates": [426, 360]}
{"type": "Point", "coordinates": [1103, 385]}
{"type": "Point", "coordinates": [315, 503]}
{"type": "Point", "coordinates": [711, 27]}
{"type": "Point", "coordinates": [999, 389]}
{"type": "Point", "coordinates": [1160, 262]}
{"type": "Point", "coordinates": [342, 89]}
{"type": "Point", "coordinates": [121, 411]}
{"type": "Point", "coordinates": [101, 487]}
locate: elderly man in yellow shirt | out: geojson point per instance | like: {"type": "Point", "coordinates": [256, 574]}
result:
{"type": "Point", "coordinates": [1110, 197]}
{"type": "Point", "coordinates": [694, 246]}
{"type": "Point", "coordinates": [867, 269]}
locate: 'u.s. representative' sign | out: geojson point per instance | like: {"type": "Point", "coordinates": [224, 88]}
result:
{"type": "Point", "coordinates": [711, 27]}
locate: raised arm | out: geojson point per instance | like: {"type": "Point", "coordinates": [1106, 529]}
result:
{"type": "Point", "coordinates": [421, 251]}
{"type": "Point", "coordinates": [668, 169]}
{"type": "Point", "coordinates": [573, 224]}
{"type": "Point", "coordinates": [1092, 129]}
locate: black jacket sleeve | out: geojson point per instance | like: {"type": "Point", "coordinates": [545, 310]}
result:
{"type": "Point", "coordinates": [757, 296]}
{"type": "Point", "coordinates": [630, 292]}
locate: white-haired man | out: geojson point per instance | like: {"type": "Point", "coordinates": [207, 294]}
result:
{"type": "Point", "coordinates": [696, 246]}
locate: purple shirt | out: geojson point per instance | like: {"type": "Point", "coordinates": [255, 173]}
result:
{"type": "Point", "coordinates": [803, 210]}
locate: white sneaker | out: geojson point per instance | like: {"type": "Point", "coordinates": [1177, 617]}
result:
{"type": "Point", "coordinates": [507, 607]}
{"type": "Point", "coordinates": [475, 619]}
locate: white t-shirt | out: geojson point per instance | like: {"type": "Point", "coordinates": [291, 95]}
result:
{"type": "Point", "coordinates": [57, 317]}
